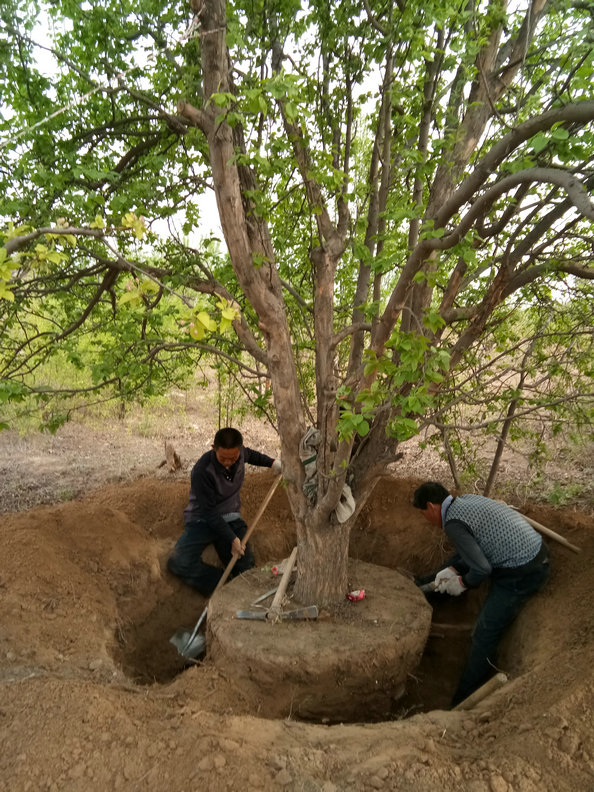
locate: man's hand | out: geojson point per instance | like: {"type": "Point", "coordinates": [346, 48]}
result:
{"type": "Point", "coordinates": [445, 574]}
{"type": "Point", "coordinates": [448, 581]}
{"type": "Point", "coordinates": [237, 548]}
{"type": "Point", "coordinates": [277, 466]}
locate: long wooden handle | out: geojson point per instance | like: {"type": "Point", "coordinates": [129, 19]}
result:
{"type": "Point", "coordinates": [544, 530]}
{"type": "Point", "coordinates": [282, 586]}
{"type": "Point", "coordinates": [489, 687]}
{"type": "Point", "coordinates": [248, 533]}
{"type": "Point", "coordinates": [547, 532]}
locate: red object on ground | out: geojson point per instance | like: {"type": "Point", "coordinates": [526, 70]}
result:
{"type": "Point", "coordinates": [357, 595]}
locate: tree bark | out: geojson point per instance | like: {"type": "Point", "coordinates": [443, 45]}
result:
{"type": "Point", "coordinates": [322, 547]}
{"type": "Point", "coordinates": [250, 247]}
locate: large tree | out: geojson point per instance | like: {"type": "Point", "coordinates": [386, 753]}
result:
{"type": "Point", "coordinates": [395, 183]}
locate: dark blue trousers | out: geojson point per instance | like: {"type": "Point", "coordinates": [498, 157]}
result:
{"type": "Point", "coordinates": [508, 592]}
{"type": "Point", "coordinates": [186, 559]}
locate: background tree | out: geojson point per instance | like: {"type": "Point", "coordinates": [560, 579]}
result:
{"type": "Point", "coordinates": [396, 186]}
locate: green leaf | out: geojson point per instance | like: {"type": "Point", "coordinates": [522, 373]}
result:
{"type": "Point", "coordinates": [98, 222]}
{"type": "Point", "coordinates": [12, 391]}
{"type": "Point", "coordinates": [560, 133]}
{"type": "Point", "coordinates": [539, 142]}
{"type": "Point", "coordinates": [433, 321]}
{"type": "Point", "coordinates": [224, 99]}
{"type": "Point", "coordinates": [203, 318]}
{"type": "Point", "coordinates": [403, 428]}
{"type": "Point", "coordinates": [129, 297]}
{"type": "Point", "coordinates": [291, 111]}
{"type": "Point", "coordinates": [5, 292]}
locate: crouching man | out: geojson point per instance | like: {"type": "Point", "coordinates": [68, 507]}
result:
{"type": "Point", "coordinates": [213, 512]}
{"type": "Point", "coordinates": [492, 541]}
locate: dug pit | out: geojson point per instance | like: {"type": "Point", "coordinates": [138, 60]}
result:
{"type": "Point", "coordinates": [380, 658]}
{"type": "Point", "coordinates": [95, 697]}
{"type": "Point", "coordinates": [103, 603]}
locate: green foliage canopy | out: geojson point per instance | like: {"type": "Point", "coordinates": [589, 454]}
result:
{"type": "Point", "coordinates": [439, 154]}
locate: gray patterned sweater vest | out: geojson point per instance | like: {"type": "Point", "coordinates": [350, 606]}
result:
{"type": "Point", "coordinates": [505, 538]}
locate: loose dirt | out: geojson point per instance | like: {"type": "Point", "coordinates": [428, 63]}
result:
{"type": "Point", "coordinates": [94, 697]}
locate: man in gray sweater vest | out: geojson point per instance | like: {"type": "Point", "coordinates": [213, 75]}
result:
{"type": "Point", "coordinates": [493, 541]}
{"type": "Point", "coordinates": [213, 512]}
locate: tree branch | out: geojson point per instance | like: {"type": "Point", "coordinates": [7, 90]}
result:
{"type": "Point", "coordinates": [581, 112]}
{"type": "Point", "coordinates": [197, 118]}
{"type": "Point", "coordinates": [575, 190]}
{"type": "Point", "coordinates": [20, 242]}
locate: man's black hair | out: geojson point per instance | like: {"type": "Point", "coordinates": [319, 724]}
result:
{"type": "Point", "coordinates": [429, 492]}
{"type": "Point", "coordinates": [228, 437]}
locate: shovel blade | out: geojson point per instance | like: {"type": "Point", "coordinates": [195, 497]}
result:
{"type": "Point", "coordinates": [246, 614]}
{"type": "Point", "coordinates": [188, 646]}
{"type": "Point", "coordinates": [311, 612]}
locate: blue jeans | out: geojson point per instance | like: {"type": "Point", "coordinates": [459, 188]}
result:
{"type": "Point", "coordinates": [510, 588]}
{"type": "Point", "coordinates": [186, 559]}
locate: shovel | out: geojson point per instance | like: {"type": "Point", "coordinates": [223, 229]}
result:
{"type": "Point", "coordinates": [274, 613]}
{"type": "Point", "coordinates": [310, 612]}
{"type": "Point", "coordinates": [188, 643]}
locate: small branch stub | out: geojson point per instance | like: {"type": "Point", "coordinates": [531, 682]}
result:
{"type": "Point", "coordinates": [172, 459]}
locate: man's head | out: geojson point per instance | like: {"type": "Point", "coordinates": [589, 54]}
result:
{"type": "Point", "coordinates": [428, 499]}
{"type": "Point", "coordinates": [227, 445]}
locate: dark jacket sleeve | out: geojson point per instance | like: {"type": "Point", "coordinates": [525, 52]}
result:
{"type": "Point", "coordinates": [256, 458]}
{"type": "Point", "coordinates": [469, 551]}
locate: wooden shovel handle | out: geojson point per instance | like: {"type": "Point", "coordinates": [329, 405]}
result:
{"type": "Point", "coordinates": [546, 531]}
{"type": "Point", "coordinates": [248, 533]}
{"type": "Point", "coordinates": [551, 534]}
{"type": "Point", "coordinates": [282, 586]}
{"type": "Point", "coordinates": [489, 687]}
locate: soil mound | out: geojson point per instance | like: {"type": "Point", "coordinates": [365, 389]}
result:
{"type": "Point", "coordinates": [351, 664]}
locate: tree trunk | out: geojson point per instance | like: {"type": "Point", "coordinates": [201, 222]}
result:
{"type": "Point", "coordinates": [250, 247]}
{"type": "Point", "coordinates": [501, 440]}
{"type": "Point", "coordinates": [322, 562]}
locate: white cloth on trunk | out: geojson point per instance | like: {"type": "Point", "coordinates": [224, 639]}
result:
{"type": "Point", "coordinates": [308, 453]}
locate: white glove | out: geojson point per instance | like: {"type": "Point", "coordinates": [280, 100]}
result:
{"type": "Point", "coordinates": [453, 586]}
{"type": "Point", "coordinates": [449, 582]}
{"type": "Point", "coordinates": [445, 574]}
{"type": "Point", "coordinates": [277, 466]}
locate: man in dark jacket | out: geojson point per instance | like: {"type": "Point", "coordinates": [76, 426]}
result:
{"type": "Point", "coordinates": [213, 512]}
{"type": "Point", "coordinates": [491, 541]}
